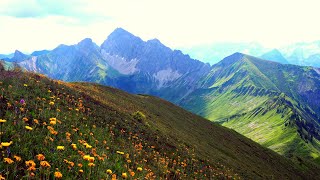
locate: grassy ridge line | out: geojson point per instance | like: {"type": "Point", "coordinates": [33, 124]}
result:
{"type": "Point", "coordinates": [113, 137]}
{"type": "Point", "coordinates": [218, 144]}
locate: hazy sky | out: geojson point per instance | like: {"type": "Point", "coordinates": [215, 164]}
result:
{"type": "Point", "coordinates": [30, 25]}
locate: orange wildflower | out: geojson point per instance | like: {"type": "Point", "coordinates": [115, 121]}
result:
{"type": "Point", "coordinates": [124, 175]}
{"type": "Point", "coordinates": [18, 158]}
{"type": "Point", "coordinates": [45, 164]}
{"type": "Point", "coordinates": [57, 175]}
{"type": "Point", "coordinates": [8, 160]}
{"type": "Point", "coordinates": [40, 157]}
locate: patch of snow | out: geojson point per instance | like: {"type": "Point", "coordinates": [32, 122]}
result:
{"type": "Point", "coordinates": [166, 75]}
{"type": "Point", "coordinates": [121, 64]}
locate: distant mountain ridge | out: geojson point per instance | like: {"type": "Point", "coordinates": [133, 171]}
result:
{"type": "Point", "coordinates": [275, 104]}
{"type": "Point", "coordinates": [123, 61]}
{"type": "Point", "coordinates": [303, 54]}
{"type": "Point", "coordinates": [276, 56]}
{"type": "Point", "coordinates": [122, 132]}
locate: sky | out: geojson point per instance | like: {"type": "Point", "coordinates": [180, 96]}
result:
{"type": "Point", "coordinates": [29, 25]}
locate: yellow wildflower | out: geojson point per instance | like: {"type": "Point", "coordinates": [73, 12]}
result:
{"type": "Point", "coordinates": [86, 157]}
{"type": "Point", "coordinates": [25, 85]}
{"type": "Point", "coordinates": [6, 144]}
{"type": "Point", "coordinates": [8, 160]}
{"type": "Point", "coordinates": [80, 171]}
{"type": "Point", "coordinates": [120, 152]}
{"type": "Point", "coordinates": [74, 146]}
{"type": "Point", "coordinates": [88, 146]}
{"type": "Point", "coordinates": [3, 121]}
{"type": "Point", "coordinates": [51, 103]}
{"type": "Point", "coordinates": [91, 159]}
{"type": "Point", "coordinates": [60, 147]}
{"type": "Point", "coordinates": [124, 175]}
{"type": "Point", "coordinates": [57, 174]}
{"type": "Point", "coordinates": [91, 164]}
{"type": "Point", "coordinates": [139, 169]}
{"type": "Point", "coordinates": [109, 171]}
{"type": "Point", "coordinates": [29, 128]}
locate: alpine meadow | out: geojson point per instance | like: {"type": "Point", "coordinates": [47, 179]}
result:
{"type": "Point", "coordinates": [159, 90]}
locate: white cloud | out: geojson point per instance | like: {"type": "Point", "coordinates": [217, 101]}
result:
{"type": "Point", "coordinates": [176, 23]}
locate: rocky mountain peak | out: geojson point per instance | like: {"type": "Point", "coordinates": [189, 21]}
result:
{"type": "Point", "coordinates": [18, 56]}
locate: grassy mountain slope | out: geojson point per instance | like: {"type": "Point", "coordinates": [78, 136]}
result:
{"type": "Point", "coordinates": [266, 101]}
{"type": "Point", "coordinates": [68, 123]}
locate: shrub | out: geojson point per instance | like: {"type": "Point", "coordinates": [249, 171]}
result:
{"type": "Point", "coordinates": [139, 116]}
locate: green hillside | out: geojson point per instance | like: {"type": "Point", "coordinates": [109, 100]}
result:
{"type": "Point", "coordinates": [273, 104]}
{"type": "Point", "coordinates": [81, 130]}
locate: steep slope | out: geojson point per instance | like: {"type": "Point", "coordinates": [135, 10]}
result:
{"type": "Point", "coordinates": [276, 56]}
{"type": "Point", "coordinates": [241, 84]}
{"type": "Point", "coordinates": [122, 132]}
{"type": "Point", "coordinates": [17, 57]}
{"type": "Point", "coordinates": [273, 104]}
{"type": "Point", "coordinates": [149, 66]}
{"type": "Point", "coordinates": [123, 61]}
{"type": "Point", "coordinates": [80, 62]}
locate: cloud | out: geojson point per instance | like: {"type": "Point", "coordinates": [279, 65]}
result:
{"type": "Point", "coordinates": [179, 23]}
{"type": "Point", "coordinates": [76, 9]}
{"type": "Point", "coordinates": [38, 8]}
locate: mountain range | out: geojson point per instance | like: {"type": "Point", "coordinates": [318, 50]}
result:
{"type": "Point", "coordinates": [274, 104]}
{"type": "Point", "coordinates": [304, 54]}
{"type": "Point", "coordinates": [52, 128]}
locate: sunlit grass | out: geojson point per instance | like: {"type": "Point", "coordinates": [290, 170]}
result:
{"type": "Point", "coordinates": [49, 130]}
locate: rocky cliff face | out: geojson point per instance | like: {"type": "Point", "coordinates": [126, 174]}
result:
{"type": "Point", "coordinates": [123, 61]}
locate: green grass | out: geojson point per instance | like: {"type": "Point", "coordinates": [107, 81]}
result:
{"type": "Point", "coordinates": [168, 142]}
{"type": "Point", "coordinates": [85, 120]}
{"type": "Point", "coordinates": [268, 129]}
{"type": "Point", "coordinates": [265, 101]}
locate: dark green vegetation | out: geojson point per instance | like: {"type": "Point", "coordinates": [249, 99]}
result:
{"type": "Point", "coordinates": [276, 105]}
{"type": "Point", "coordinates": [122, 132]}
